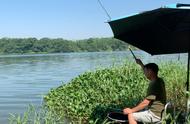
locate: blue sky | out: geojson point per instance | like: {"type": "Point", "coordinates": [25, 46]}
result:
{"type": "Point", "coordinates": [68, 19]}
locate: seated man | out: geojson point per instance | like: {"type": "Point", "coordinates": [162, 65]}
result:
{"type": "Point", "coordinates": [155, 98]}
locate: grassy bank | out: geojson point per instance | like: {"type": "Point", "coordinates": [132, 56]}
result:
{"type": "Point", "coordinates": [90, 96]}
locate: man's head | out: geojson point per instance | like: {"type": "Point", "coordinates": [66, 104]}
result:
{"type": "Point", "coordinates": [151, 70]}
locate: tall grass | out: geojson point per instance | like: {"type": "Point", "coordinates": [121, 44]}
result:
{"type": "Point", "coordinates": [175, 78]}
{"type": "Point", "coordinates": [35, 115]}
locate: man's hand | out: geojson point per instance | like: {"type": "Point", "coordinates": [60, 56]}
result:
{"type": "Point", "coordinates": [127, 111]}
{"type": "Point", "coordinates": [138, 61]}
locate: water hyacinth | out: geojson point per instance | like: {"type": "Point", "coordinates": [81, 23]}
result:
{"type": "Point", "coordinates": [92, 94]}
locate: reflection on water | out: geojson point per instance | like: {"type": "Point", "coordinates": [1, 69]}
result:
{"type": "Point", "coordinates": [24, 79]}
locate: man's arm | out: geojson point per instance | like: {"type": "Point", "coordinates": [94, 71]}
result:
{"type": "Point", "coordinates": [139, 107]}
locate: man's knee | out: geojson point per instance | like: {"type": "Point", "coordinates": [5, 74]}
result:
{"type": "Point", "coordinates": [131, 119]}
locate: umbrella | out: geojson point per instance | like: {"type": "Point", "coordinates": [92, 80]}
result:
{"type": "Point", "coordinates": [164, 30]}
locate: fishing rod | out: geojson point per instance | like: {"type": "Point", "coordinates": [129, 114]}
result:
{"type": "Point", "coordinates": [133, 54]}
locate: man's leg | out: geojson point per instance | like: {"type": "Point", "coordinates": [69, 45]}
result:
{"type": "Point", "coordinates": [145, 116]}
{"type": "Point", "coordinates": [131, 119]}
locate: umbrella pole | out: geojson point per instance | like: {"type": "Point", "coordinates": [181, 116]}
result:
{"type": "Point", "coordinates": [188, 71]}
{"type": "Point", "coordinates": [187, 83]}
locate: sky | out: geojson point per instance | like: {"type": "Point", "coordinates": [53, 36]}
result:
{"type": "Point", "coordinates": [67, 19]}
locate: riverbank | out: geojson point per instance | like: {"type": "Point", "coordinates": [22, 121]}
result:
{"type": "Point", "coordinates": [90, 96]}
{"type": "Point", "coordinates": [59, 45]}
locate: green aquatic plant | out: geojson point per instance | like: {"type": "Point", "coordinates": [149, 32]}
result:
{"type": "Point", "coordinates": [93, 94]}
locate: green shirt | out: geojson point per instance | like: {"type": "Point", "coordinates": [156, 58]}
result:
{"type": "Point", "coordinates": [157, 94]}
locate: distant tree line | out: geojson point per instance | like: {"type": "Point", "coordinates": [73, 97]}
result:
{"type": "Point", "coordinates": [59, 45]}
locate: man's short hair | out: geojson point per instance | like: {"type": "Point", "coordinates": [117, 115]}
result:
{"type": "Point", "coordinates": [152, 66]}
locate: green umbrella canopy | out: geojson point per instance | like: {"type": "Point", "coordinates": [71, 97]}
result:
{"type": "Point", "coordinates": [160, 31]}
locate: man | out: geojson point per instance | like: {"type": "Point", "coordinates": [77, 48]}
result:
{"type": "Point", "coordinates": [155, 99]}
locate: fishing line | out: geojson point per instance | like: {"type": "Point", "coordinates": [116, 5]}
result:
{"type": "Point", "coordinates": [104, 9]}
